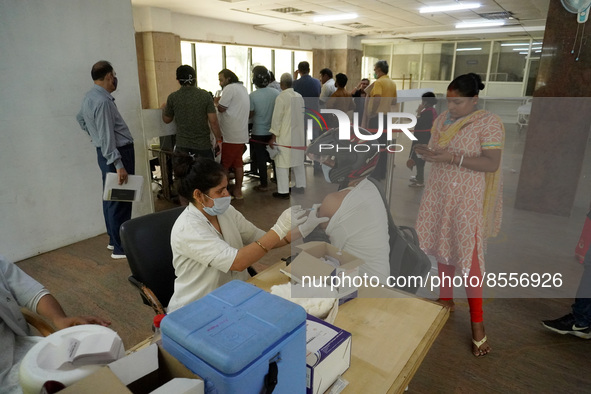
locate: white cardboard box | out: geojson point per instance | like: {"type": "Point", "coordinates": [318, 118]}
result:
{"type": "Point", "coordinates": [140, 372]}
{"type": "Point", "coordinates": [308, 265]}
{"type": "Point", "coordinates": [328, 354]}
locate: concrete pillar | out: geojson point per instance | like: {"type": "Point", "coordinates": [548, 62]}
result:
{"type": "Point", "coordinates": [344, 56]}
{"type": "Point", "coordinates": [559, 122]}
{"type": "Point", "coordinates": [159, 55]}
{"type": "Point", "coordinates": [346, 61]}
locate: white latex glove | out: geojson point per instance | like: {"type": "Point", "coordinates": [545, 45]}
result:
{"type": "Point", "coordinates": [312, 221]}
{"type": "Point", "coordinates": [290, 218]}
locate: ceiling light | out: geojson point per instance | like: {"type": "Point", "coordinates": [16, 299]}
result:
{"type": "Point", "coordinates": [521, 49]}
{"type": "Point", "coordinates": [514, 44]}
{"type": "Point", "coordinates": [523, 53]}
{"type": "Point", "coordinates": [468, 49]}
{"type": "Point", "coordinates": [539, 51]}
{"type": "Point", "coordinates": [465, 25]}
{"type": "Point", "coordinates": [451, 7]}
{"type": "Point", "coordinates": [536, 48]}
{"type": "Point", "coordinates": [339, 17]}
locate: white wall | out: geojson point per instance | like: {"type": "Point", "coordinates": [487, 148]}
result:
{"type": "Point", "coordinates": [50, 183]}
{"type": "Point", "coordinates": [190, 27]}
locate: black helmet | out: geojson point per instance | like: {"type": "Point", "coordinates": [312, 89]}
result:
{"type": "Point", "coordinates": [353, 158]}
{"type": "Point", "coordinates": [260, 76]}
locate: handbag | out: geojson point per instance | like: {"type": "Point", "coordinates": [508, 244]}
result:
{"type": "Point", "coordinates": [584, 240]}
{"type": "Point", "coordinates": [407, 259]}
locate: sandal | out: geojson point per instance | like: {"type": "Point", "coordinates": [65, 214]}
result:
{"type": "Point", "coordinates": [478, 344]}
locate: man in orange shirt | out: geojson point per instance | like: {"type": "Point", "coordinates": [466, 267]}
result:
{"type": "Point", "coordinates": [340, 99]}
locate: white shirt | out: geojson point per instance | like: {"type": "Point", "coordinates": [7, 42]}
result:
{"type": "Point", "coordinates": [202, 257]}
{"type": "Point", "coordinates": [234, 121]}
{"type": "Point", "coordinates": [16, 289]}
{"type": "Point", "coordinates": [360, 227]}
{"type": "Point", "coordinates": [288, 126]}
{"type": "Point", "coordinates": [327, 90]}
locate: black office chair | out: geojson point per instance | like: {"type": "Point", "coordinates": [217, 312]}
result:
{"type": "Point", "coordinates": [146, 241]}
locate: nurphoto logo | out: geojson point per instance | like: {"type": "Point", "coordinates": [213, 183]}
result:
{"type": "Point", "coordinates": [345, 130]}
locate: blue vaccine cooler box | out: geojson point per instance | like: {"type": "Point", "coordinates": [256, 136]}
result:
{"type": "Point", "coordinates": [238, 336]}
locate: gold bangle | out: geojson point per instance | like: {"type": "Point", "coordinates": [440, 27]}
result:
{"type": "Point", "coordinates": [453, 158]}
{"type": "Point", "coordinates": [262, 246]}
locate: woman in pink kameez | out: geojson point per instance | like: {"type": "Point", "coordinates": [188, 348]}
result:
{"type": "Point", "coordinates": [462, 206]}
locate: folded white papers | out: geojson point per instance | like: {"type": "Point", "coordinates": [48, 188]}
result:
{"type": "Point", "coordinates": [130, 191]}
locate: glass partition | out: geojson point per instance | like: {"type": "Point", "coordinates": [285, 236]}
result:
{"type": "Point", "coordinates": [437, 61]}
{"type": "Point", "coordinates": [237, 61]}
{"type": "Point", "coordinates": [209, 64]}
{"type": "Point", "coordinates": [186, 53]}
{"type": "Point", "coordinates": [262, 56]}
{"type": "Point", "coordinates": [472, 57]}
{"type": "Point", "coordinates": [405, 61]}
{"type": "Point", "coordinates": [371, 54]}
{"type": "Point", "coordinates": [210, 59]}
{"type": "Point", "coordinates": [282, 62]}
{"type": "Point", "coordinates": [509, 60]}
{"type": "Point", "coordinates": [301, 56]}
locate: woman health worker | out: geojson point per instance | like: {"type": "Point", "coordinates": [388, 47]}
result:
{"type": "Point", "coordinates": [209, 237]}
{"type": "Point", "coordinates": [462, 203]}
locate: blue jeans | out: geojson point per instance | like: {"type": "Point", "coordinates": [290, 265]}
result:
{"type": "Point", "coordinates": [116, 212]}
{"type": "Point", "coordinates": [582, 305]}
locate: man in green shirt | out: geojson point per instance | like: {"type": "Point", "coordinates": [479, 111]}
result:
{"type": "Point", "coordinates": [194, 113]}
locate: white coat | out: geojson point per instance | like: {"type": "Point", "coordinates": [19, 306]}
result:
{"type": "Point", "coordinates": [288, 127]}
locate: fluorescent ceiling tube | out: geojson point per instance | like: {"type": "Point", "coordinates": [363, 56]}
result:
{"type": "Point", "coordinates": [465, 25]}
{"type": "Point", "coordinates": [468, 49]}
{"type": "Point", "coordinates": [515, 44]}
{"type": "Point", "coordinates": [451, 7]}
{"type": "Point", "coordinates": [339, 17]}
{"type": "Point", "coordinates": [521, 49]}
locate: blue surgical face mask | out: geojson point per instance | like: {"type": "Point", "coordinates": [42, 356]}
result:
{"type": "Point", "coordinates": [220, 205]}
{"type": "Point", "coordinates": [326, 170]}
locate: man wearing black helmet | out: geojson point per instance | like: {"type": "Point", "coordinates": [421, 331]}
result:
{"type": "Point", "coordinates": [358, 218]}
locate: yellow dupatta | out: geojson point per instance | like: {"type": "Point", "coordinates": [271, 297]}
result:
{"type": "Point", "coordinates": [491, 209]}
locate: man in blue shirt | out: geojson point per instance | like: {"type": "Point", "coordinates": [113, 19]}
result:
{"type": "Point", "coordinates": [310, 89]}
{"type": "Point", "coordinates": [305, 84]}
{"type": "Point", "coordinates": [262, 104]}
{"type": "Point", "coordinates": [101, 119]}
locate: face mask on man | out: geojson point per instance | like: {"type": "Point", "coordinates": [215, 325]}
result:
{"type": "Point", "coordinates": [220, 205]}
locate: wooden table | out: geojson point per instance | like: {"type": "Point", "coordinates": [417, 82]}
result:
{"type": "Point", "coordinates": [391, 336]}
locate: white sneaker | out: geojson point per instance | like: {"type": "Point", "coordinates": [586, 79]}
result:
{"type": "Point", "coordinates": [110, 247]}
{"type": "Point", "coordinates": [118, 256]}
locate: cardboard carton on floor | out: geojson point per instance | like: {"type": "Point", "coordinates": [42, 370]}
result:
{"type": "Point", "coordinates": [141, 372]}
{"type": "Point", "coordinates": [309, 269]}
{"type": "Point", "coordinates": [328, 354]}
